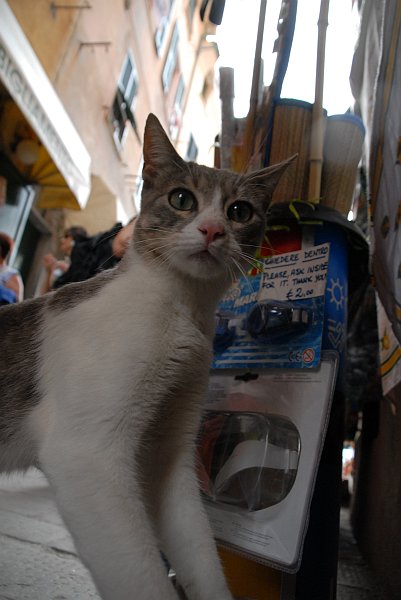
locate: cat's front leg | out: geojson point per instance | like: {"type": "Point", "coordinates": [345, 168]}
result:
{"type": "Point", "coordinates": [102, 506]}
{"type": "Point", "coordinates": [184, 528]}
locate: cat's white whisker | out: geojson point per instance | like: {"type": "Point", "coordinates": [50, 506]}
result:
{"type": "Point", "coordinates": [151, 247]}
{"type": "Point", "coordinates": [266, 244]}
{"type": "Point", "coordinates": [254, 263]}
{"type": "Point", "coordinates": [250, 259]}
{"type": "Point", "coordinates": [232, 273]}
{"type": "Point", "coordinates": [243, 273]}
{"type": "Point", "coordinates": [157, 228]}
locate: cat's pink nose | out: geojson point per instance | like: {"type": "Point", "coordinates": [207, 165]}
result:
{"type": "Point", "coordinates": [211, 231]}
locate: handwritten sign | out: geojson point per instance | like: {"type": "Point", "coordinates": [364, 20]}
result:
{"type": "Point", "coordinates": [295, 275]}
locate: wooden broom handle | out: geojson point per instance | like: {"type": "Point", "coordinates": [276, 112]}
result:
{"type": "Point", "coordinates": [317, 130]}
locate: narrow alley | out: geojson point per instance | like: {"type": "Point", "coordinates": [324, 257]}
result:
{"type": "Point", "coordinates": [38, 560]}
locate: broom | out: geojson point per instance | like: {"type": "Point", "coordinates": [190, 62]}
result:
{"type": "Point", "coordinates": [317, 129]}
{"type": "Point", "coordinates": [246, 152]}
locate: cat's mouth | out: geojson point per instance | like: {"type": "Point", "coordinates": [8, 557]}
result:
{"type": "Point", "coordinates": [204, 256]}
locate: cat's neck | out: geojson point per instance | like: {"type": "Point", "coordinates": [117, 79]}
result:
{"type": "Point", "coordinates": [175, 289]}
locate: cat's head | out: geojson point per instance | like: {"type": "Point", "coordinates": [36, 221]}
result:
{"type": "Point", "coordinates": [202, 222]}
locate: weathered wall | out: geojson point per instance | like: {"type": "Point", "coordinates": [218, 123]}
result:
{"type": "Point", "coordinates": [376, 509]}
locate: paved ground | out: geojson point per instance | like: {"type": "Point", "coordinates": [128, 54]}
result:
{"type": "Point", "coordinates": [37, 556]}
{"type": "Point", "coordinates": [355, 581]}
{"type": "Point", "coordinates": [38, 559]}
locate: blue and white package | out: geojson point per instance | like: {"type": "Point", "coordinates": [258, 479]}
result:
{"type": "Point", "coordinates": [274, 318]}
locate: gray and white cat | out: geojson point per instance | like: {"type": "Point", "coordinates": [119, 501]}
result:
{"type": "Point", "coordinates": [102, 382]}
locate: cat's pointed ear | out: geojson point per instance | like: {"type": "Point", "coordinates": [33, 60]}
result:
{"type": "Point", "coordinates": [158, 151]}
{"type": "Point", "coordinates": [270, 176]}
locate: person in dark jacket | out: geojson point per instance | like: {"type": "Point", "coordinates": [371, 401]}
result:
{"type": "Point", "coordinates": [56, 268]}
{"type": "Point", "coordinates": [91, 255]}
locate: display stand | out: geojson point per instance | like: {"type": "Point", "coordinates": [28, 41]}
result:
{"type": "Point", "coordinates": [274, 130]}
{"type": "Point", "coordinates": [315, 575]}
{"type": "Point", "coordinates": [249, 579]}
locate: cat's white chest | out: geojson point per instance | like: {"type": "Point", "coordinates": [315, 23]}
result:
{"type": "Point", "coordinates": [124, 349]}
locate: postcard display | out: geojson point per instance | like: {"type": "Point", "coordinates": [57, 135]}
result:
{"type": "Point", "coordinates": [268, 407]}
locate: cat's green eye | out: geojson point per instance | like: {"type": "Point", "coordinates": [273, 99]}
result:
{"type": "Point", "coordinates": [240, 211]}
{"type": "Point", "coordinates": [182, 199]}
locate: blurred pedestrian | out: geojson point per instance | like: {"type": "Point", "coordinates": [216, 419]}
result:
{"type": "Point", "coordinates": [91, 255]}
{"type": "Point", "coordinates": [56, 268]}
{"type": "Point", "coordinates": [11, 285]}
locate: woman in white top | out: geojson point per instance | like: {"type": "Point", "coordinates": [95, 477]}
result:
{"type": "Point", "coordinates": [10, 279]}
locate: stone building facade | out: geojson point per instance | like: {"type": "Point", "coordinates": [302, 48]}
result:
{"type": "Point", "coordinates": [77, 81]}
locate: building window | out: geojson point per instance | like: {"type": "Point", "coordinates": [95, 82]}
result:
{"type": "Point", "coordinates": [161, 11]}
{"type": "Point", "coordinates": [176, 113]}
{"type": "Point", "coordinates": [191, 11]}
{"type": "Point", "coordinates": [192, 150]}
{"type": "Point", "coordinates": [171, 61]}
{"type": "Point", "coordinates": [137, 195]}
{"type": "Point", "coordinates": [122, 111]}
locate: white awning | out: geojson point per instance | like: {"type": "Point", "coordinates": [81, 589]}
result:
{"type": "Point", "coordinates": [31, 89]}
